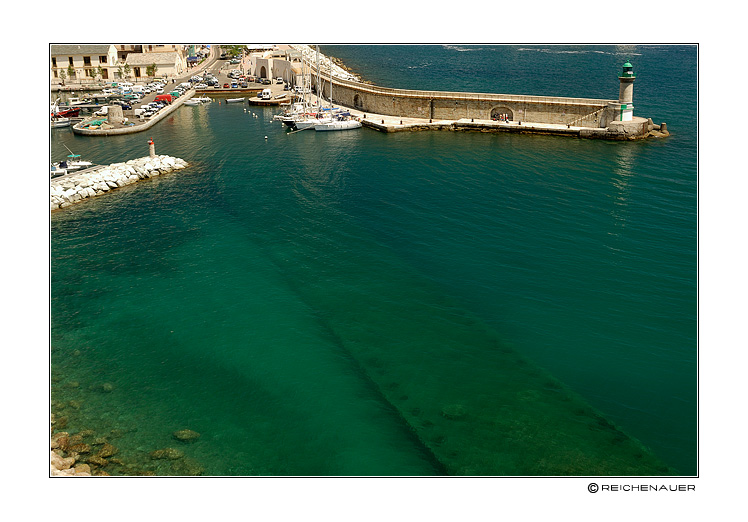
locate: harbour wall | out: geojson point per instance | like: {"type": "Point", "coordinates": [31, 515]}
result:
{"type": "Point", "coordinates": [445, 105]}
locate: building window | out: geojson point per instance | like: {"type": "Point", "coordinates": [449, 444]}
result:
{"type": "Point", "coordinates": [70, 60]}
{"type": "Point", "coordinates": [102, 59]}
{"type": "Point", "coordinates": [54, 62]}
{"type": "Point", "coordinates": [55, 73]}
{"type": "Point", "coordinates": [89, 72]}
{"type": "Point", "coordinates": [86, 61]}
{"type": "Point", "coordinates": [136, 71]}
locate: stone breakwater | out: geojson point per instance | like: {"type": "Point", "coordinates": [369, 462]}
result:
{"type": "Point", "coordinates": [74, 188]}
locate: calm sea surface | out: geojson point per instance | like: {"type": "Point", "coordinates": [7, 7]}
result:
{"type": "Point", "coordinates": [326, 304]}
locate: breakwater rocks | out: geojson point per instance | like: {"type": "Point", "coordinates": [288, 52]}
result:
{"type": "Point", "coordinates": [74, 188]}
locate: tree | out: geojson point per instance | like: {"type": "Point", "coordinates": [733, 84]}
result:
{"type": "Point", "coordinates": [62, 76]}
{"type": "Point", "coordinates": [100, 72]}
{"type": "Point", "coordinates": [127, 70]}
{"type": "Point", "coordinates": [71, 71]}
{"type": "Point", "coordinates": [120, 72]}
{"type": "Point", "coordinates": [151, 69]}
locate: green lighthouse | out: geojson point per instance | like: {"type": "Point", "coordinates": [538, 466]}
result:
{"type": "Point", "coordinates": [626, 93]}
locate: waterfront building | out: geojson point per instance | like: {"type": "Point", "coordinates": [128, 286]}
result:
{"type": "Point", "coordinates": [82, 63]}
{"type": "Point", "coordinates": [168, 63]}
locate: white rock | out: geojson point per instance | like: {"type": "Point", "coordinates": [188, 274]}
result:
{"type": "Point", "coordinates": [111, 183]}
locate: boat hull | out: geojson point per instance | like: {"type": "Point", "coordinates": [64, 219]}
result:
{"type": "Point", "coordinates": [338, 126]}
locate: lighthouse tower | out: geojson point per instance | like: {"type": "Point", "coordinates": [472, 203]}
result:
{"type": "Point", "coordinates": [624, 109]}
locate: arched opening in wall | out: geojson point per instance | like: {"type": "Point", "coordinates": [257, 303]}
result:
{"type": "Point", "coordinates": [502, 114]}
{"type": "Point", "coordinates": [357, 103]}
{"type": "Point", "coordinates": [263, 72]}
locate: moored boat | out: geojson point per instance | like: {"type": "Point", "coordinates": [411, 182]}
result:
{"type": "Point", "coordinates": [235, 100]}
{"type": "Point", "coordinates": [338, 125]}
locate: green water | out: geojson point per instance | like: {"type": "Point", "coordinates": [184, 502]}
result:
{"type": "Point", "coordinates": [367, 304]}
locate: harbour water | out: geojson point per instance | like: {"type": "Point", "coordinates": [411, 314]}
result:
{"type": "Point", "coordinates": [359, 303]}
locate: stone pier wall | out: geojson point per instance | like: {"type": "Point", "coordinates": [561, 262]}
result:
{"type": "Point", "coordinates": [442, 105]}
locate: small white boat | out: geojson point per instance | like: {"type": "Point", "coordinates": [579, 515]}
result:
{"type": "Point", "coordinates": [203, 99]}
{"type": "Point", "coordinates": [72, 162]}
{"type": "Point", "coordinates": [192, 103]}
{"type": "Point", "coordinates": [76, 101]}
{"type": "Point", "coordinates": [56, 123]}
{"type": "Point", "coordinates": [235, 100]}
{"type": "Point", "coordinates": [338, 125]}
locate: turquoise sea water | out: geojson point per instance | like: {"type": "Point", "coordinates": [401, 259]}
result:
{"type": "Point", "coordinates": [410, 304]}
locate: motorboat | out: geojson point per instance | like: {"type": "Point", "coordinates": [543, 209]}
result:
{"type": "Point", "coordinates": [72, 162]}
{"type": "Point", "coordinates": [76, 101]}
{"type": "Point", "coordinates": [203, 99]}
{"type": "Point", "coordinates": [56, 123]}
{"type": "Point", "coordinates": [235, 100]}
{"type": "Point", "coordinates": [192, 103]}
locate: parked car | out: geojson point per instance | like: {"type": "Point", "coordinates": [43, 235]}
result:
{"type": "Point", "coordinates": [201, 86]}
{"type": "Point", "coordinates": [234, 85]}
{"type": "Point", "coordinates": [279, 80]}
{"type": "Point", "coordinates": [243, 85]}
{"type": "Point", "coordinates": [225, 85]}
{"type": "Point", "coordinates": [266, 81]}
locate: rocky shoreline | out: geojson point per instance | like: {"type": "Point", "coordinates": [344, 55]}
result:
{"type": "Point", "coordinates": [73, 188]}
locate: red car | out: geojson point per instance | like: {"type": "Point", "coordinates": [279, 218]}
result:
{"type": "Point", "coordinates": [225, 85]}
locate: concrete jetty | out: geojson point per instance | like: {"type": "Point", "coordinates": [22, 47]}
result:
{"type": "Point", "coordinates": [76, 187]}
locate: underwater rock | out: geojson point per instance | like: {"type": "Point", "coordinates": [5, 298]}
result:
{"type": "Point", "coordinates": [453, 411]}
{"type": "Point", "coordinates": [188, 467]}
{"type": "Point", "coordinates": [166, 453]}
{"type": "Point", "coordinates": [107, 450]}
{"type": "Point", "coordinates": [106, 387]}
{"type": "Point", "coordinates": [81, 448]}
{"type": "Point", "coordinates": [97, 461]}
{"type": "Point", "coordinates": [83, 469]}
{"type": "Point", "coordinates": [61, 439]}
{"type": "Point", "coordinates": [186, 435]}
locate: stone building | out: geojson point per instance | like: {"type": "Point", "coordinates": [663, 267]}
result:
{"type": "Point", "coordinates": [168, 63]}
{"type": "Point", "coordinates": [82, 63]}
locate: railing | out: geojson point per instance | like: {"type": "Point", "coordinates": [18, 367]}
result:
{"type": "Point", "coordinates": [590, 115]}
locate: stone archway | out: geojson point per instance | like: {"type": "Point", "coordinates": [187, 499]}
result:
{"type": "Point", "coordinates": [357, 103]}
{"type": "Point", "coordinates": [499, 113]}
{"type": "Point", "coordinates": [263, 72]}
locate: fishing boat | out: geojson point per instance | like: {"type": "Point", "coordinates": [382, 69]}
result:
{"type": "Point", "coordinates": [192, 103]}
{"type": "Point", "coordinates": [235, 100]}
{"type": "Point", "coordinates": [203, 99]}
{"type": "Point", "coordinates": [56, 112]}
